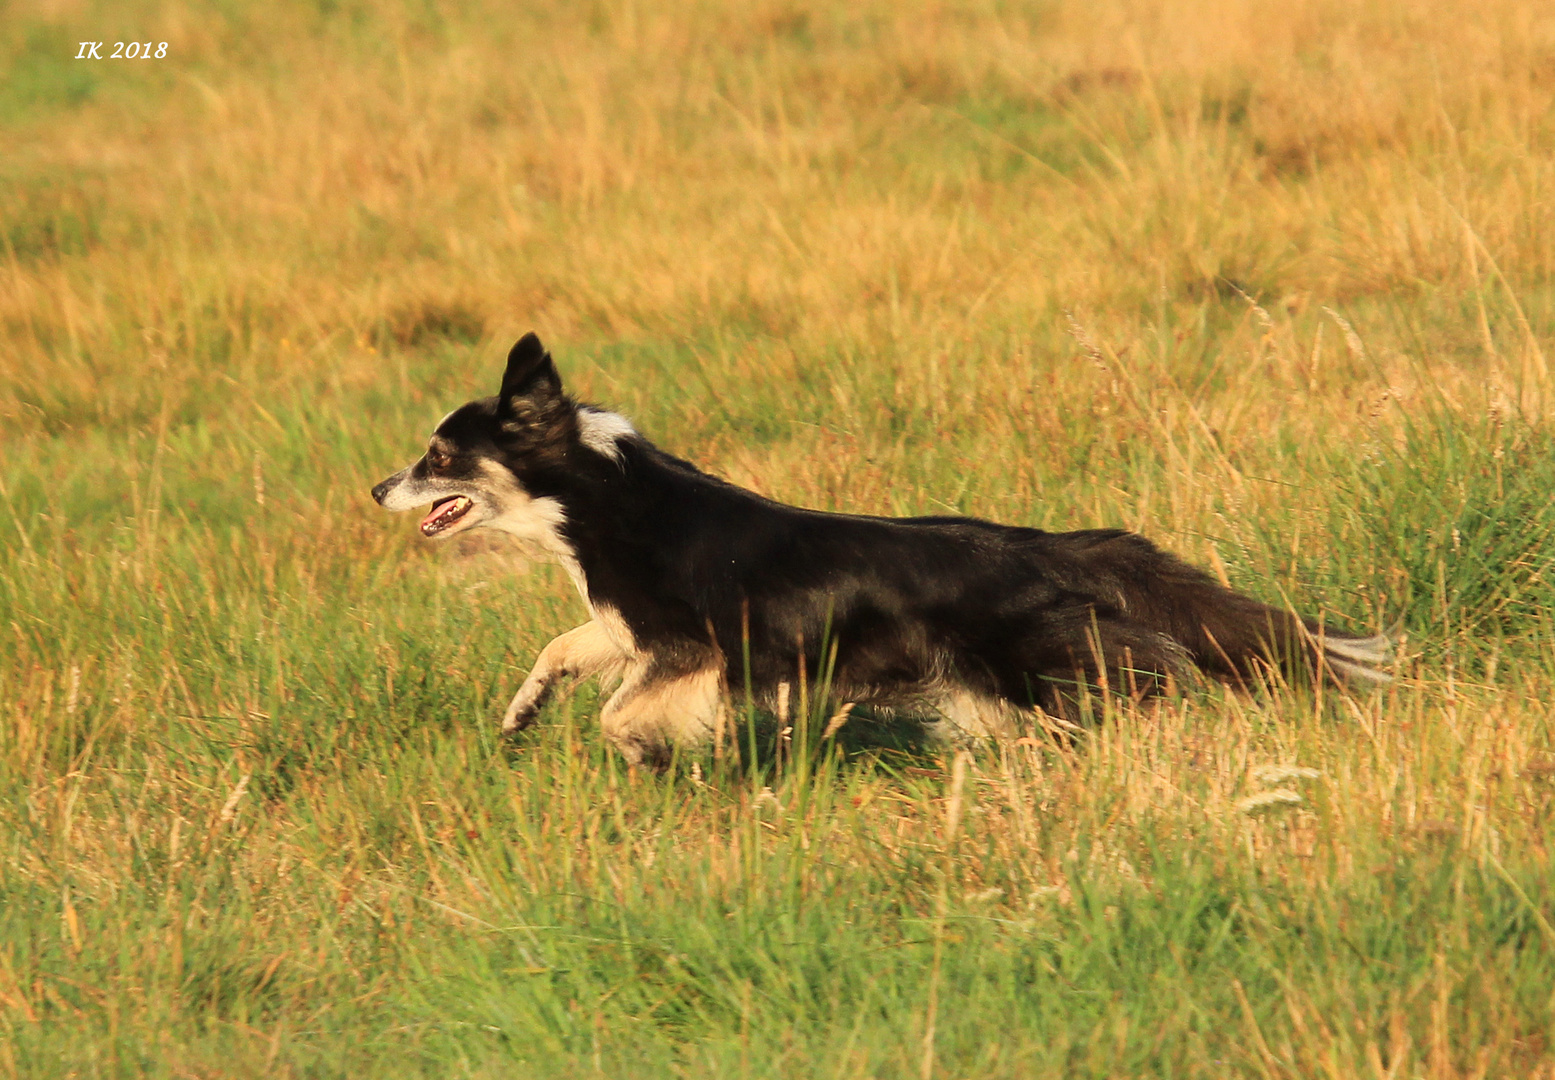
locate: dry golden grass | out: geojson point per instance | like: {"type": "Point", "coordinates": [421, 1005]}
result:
{"type": "Point", "coordinates": [888, 180]}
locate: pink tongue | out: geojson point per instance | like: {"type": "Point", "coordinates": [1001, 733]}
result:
{"type": "Point", "coordinates": [435, 513]}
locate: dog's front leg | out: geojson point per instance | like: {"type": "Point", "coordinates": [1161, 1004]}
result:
{"type": "Point", "coordinates": [581, 651]}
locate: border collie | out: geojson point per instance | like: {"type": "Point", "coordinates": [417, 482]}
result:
{"type": "Point", "coordinates": [695, 586]}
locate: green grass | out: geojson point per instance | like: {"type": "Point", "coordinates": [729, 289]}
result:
{"type": "Point", "coordinates": [1275, 292]}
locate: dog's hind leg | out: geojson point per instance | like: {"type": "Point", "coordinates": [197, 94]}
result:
{"type": "Point", "coordinates": [960, 715]}
{"type": "Point", "coordinates": [1072, 657]}
{"type": "Point", "coordinates": [582, 651]}
{"type": "Point", "coordinates": [661, 705]}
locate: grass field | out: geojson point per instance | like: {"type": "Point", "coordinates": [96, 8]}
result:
{"type": "Point", "coordinates": [1271, 282]}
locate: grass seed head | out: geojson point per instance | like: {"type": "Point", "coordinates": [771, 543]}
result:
{"type": "Point", "coordinates": [1266, 800]}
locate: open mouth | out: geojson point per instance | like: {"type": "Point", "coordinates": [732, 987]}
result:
{"type": "Point", "coordinates": [444, 514]}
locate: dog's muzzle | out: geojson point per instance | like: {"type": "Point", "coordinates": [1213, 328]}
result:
{"type": "Point", "coordinates": [384, 492]}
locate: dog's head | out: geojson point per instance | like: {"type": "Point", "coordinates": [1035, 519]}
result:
{"type": "Point", "coordinates": [476, 460]}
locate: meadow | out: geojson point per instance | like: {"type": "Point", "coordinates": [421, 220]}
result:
{"type": "Point", "coordinates": [1273, 283]}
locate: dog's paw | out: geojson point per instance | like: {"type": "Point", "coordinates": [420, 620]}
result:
{"type": "Point", "coordinates": [517, 718]}
{"type": "Point", "coordinates": [525, 707]}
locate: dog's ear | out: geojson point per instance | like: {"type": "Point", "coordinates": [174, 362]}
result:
{"type": "Point", "coordinates": [530, 375]}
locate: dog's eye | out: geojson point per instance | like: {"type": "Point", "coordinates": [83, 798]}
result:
{"type": "Point", "coordinates": [437, 459]}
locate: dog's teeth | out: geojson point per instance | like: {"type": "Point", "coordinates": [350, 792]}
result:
{"type": "Point", "coordinates": [446, 513]}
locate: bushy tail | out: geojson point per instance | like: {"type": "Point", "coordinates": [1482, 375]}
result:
{"type": "Point", "coordinates": [1224, 633]}
{"type": "Point", "coordinates": [1355, 659]}
{"type": "Point", "coordinates": [1232, 636]}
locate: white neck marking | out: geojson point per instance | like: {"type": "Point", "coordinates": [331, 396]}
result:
{"type": "Point", "coordinates": [602, 431]}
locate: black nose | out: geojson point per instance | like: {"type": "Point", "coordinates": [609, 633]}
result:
{"type": "Point", "coordinates": [380, 490]}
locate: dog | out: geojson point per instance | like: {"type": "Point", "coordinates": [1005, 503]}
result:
{"type": "Point", "coordinates": [695, 586]}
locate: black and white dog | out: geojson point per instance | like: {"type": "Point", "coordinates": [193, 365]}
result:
{"type": "Point", "coordinates": [695, 586]}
